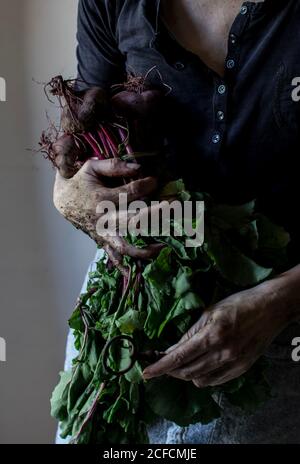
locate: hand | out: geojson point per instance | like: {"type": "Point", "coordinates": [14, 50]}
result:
{"type": "Point", "coordinates": [77, 200]}
{"type": "Point", "coordinates": [228, 338]}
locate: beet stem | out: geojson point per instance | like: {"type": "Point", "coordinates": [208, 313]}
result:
{"type": "Point", "coordinates": [93, 145]}
{"type": "Point", "coordinates": [125, 142]}
{"type": "Point", "coordinates": [104, 143]}
{"type": "Point", "coordinates": [110, 139]}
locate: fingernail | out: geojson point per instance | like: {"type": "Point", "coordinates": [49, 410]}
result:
{"type": "Point", "coordinates": [146, 375]}
{"type": "Point", "coordinates": [133, 166]}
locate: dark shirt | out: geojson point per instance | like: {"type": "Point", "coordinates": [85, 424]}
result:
{"type": "Point", "coordinates": [235, 137]}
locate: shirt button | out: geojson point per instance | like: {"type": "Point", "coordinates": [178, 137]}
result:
{"type": "Point", "coordinates": [244, 10]}
{"type": "Point", "coordinates": [233, 39]}
{"type": "Point", "coordinates": [179, 66]}
{"type": "Point", "coordinates": [221, 89]}
{"type": "Point", "coordinates": [220, 115]}
{"type": "Point", "coordinates": [216, 138]}
{"type": "Point", "coordinates": [230, 64]}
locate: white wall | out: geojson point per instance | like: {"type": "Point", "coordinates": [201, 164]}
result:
{"type": "Point", "coordinates": [42, 258]}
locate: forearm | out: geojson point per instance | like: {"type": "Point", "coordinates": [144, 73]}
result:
{"type": "Point", "coordinates": [286, 288]}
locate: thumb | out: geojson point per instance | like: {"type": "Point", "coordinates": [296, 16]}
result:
{"type": "Point", "coordinates": [59, 179]}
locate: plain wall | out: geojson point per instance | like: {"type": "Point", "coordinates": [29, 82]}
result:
{"type": "Point", "coordinates": [43, 259]}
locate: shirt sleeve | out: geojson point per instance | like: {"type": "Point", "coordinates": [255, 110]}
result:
{"type": "Point", "coordinates": [100, 63]}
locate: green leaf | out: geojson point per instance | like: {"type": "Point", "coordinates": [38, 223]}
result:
{"type": "Point", "coordinates": [182, 282]}
{"type": "Point", "coordinates": [59, 399]}
{"type": "Point", "coordinates": [178, 246]}
{"type": "Point", "coordinates": [78, 385]}
{"type": "Point", "coordinates": [75, 321]}
{"type": "Point", "coordinates": [271, 235]}
{"type": "Point", "coordinates": [182, 305]}
{"type": "Point", "coordinates": [174, 189]}
{"type": "Point", "coordinates": [233, 216]}
{"type": "Point", "coordinates": [131, 321]}
{"type": "Point", "coordinates": [233, 265]}
{"type": "Point", "coordinates": [135, 375]}
{"type": "Point", "coordinates": [159, 270]}
{"type": "Point", "coordinates": [250, 235]}
{"type": "Point", "coordinates": [180, 402]}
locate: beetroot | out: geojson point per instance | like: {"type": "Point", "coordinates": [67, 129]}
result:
{"type": "Point", "coordinates": [94, 108]}
{"type": "Point", "coordinates": [69, 123]}
{"type": "Point", "coordinates": [130, 104]}
{"type": "Point", "coordinates": [66, 155]}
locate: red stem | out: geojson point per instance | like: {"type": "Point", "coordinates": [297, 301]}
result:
{"type": "Point", "coordinates": [104, 143]}
{"type": "Point", "coordinates": [91, 412]}
{"type": "Point", "coordinates": [124, 140]}
{"type": "Point", "coordinates": [109, 138]}
{"type": "Point", "coordinates": [93, 145]}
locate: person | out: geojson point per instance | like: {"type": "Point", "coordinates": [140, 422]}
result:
{"type": "Point", "coordinates": [233, 130]}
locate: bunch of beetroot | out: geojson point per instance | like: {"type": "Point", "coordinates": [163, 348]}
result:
{"type": "Point", "coordinates": [97, 124]}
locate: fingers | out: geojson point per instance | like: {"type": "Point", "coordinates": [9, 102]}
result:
{"type": "Point", "coordinates": [136, 190]}
{"type": "Point", "coordinates": [120, 245]}
{"type": "Point", "coordinates": [110, 168]}
{"type": "Point", "coordinates": [220, 376]}
{"type": "Point", "coordinates": [117, 259]}
{"type": "Point", "coordinates": [203, 365]}
{"type": "Point", "coordinates": [131, 220]}
{"type": "Point", "coordinates": [203, 321]}
{"type": "Point", "coordinates": [183, 354]}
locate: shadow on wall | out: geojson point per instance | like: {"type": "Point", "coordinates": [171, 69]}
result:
{"type": "Point", "coordinates": [43, 259]}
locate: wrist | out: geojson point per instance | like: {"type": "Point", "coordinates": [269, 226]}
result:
{"type": "Point", "coordinates": [286, 295]}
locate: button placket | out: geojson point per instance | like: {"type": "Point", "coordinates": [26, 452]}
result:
{"type": "Point", "coordinates": [244, 10]}
{"type": "Point", "coordinates": [220, 102]}
{"type": "Point", "coordinates": [222, 89]}
{"type": "Point", "coordinates": [231, 67]}
{"type": "Point", "coordinates": [220, 115]}
{"type": "Point", "coordinates": [235, 34]}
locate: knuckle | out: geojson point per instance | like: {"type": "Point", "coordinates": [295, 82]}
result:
{"type": "Point", "coordinates": [114, 163]}
{"type": "Point", "coordinates": [231, 353]}
{"type": "Point", "coordinates": [222, 329]}
{"type": "Point", "coordinates": [179, 358]}
{"type": "Point", "coordinates": [88, 165]}
{"type": "Point", "coordinates": [186, 374]}
{"type": "Point", "coordinates": [199, 383]}
{"type": "Point", "coordinates": [134, 188]}
{"type": "Point", "coordinates": [122, 248]}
